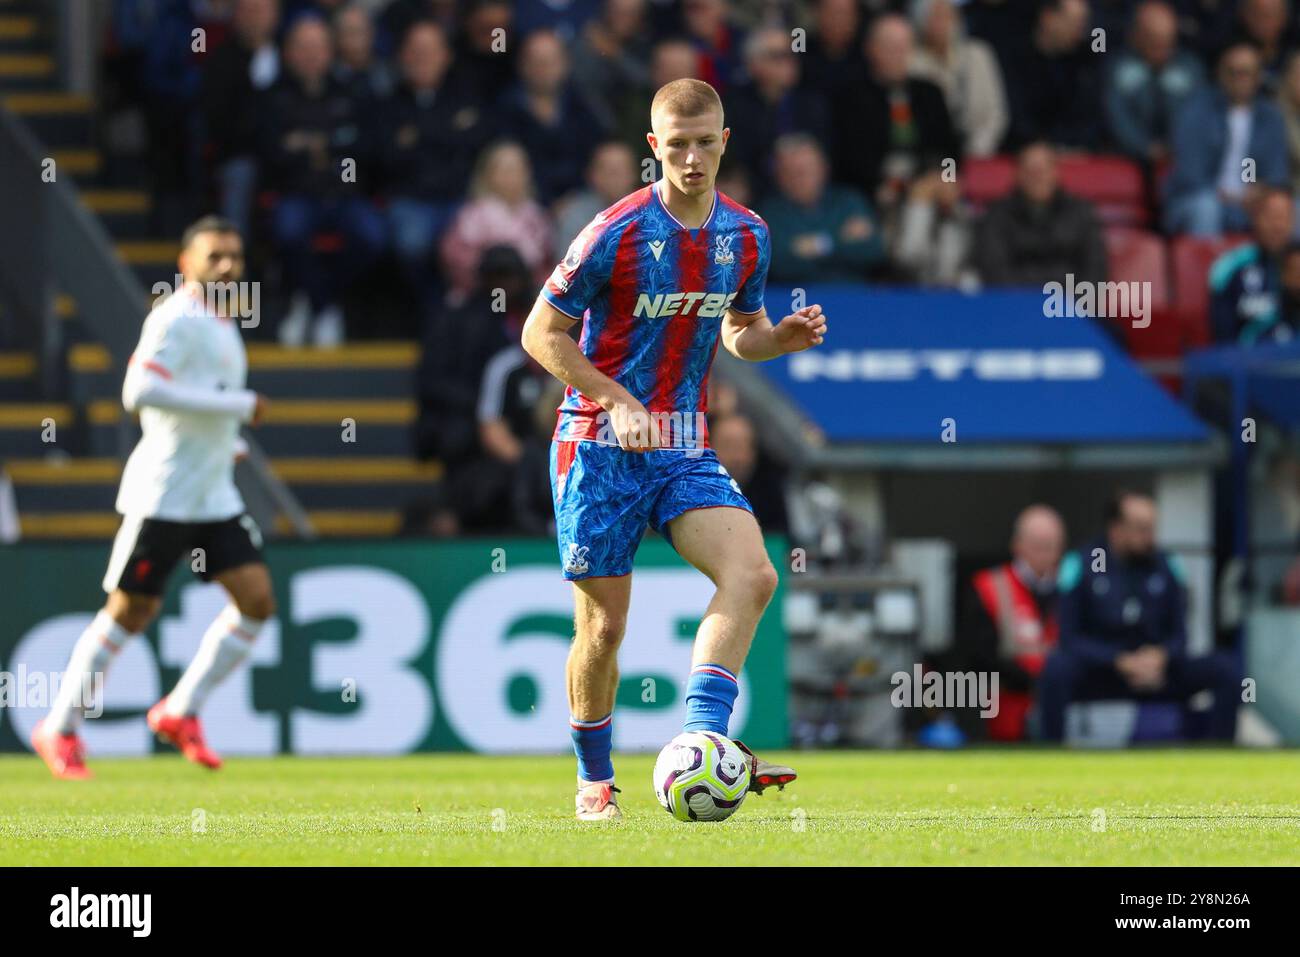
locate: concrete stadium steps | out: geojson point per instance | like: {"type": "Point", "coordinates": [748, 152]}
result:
{"type": "Point", "coordinates": [59, 119]}
{"type": "Point", "coordinates": [151, 260]}
{"type": "Point", "coordinates": [361, 370]}
{"type": "Point", "coordinates": [293, 427]}
{"type": "Point", "coordinates": [22, 428]}
{"type": "Point", "coordinates": [17, 376]}
{"type": "Point", "coordinates": [124, 212]}
{"type": "Point", "coordinates": [102, 526]}
{"type": "Point", "coordinates": [68, 485]}
{"type": "Point", "coordinates": [24, 71]}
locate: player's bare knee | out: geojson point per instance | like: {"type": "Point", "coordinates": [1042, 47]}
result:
{"type": "Point", "coordinates": [132, 612]}
{"type": "Point", "coordinates": [757, 582]}
{"type": "Point", "coordinates": [259, 605]}
{"type": "Point", "coordinates": [600, 635]}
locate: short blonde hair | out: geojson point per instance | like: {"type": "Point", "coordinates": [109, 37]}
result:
{"type": "Point", "coordinates": [686, 97]}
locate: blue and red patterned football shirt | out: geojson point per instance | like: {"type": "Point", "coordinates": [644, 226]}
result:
{"type": "Point", "coordinates": [652, 294]}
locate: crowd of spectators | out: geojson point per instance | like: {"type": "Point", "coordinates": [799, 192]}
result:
{"type": "Point", "coordinates": [423, 132]}
{"type": "Point", "coordinates": [461, 144]}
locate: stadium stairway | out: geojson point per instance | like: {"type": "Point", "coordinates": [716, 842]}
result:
{"type": "Point", "coordinates": [346, 459]}
{"type": "Point", "coordinates": [349, 488]}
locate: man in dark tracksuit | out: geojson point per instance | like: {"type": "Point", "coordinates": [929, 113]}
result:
{"type": "Point", "coordinates": [1123, 628]}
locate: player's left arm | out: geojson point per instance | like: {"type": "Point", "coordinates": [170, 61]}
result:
{"type": "Point", "coordinates": [748, 332]}
{"type": "Point", "coordinates": [753, 337]}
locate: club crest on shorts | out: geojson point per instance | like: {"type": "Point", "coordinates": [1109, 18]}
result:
{"type": "Point", "coordinates": [722, 254]}
{"type": "Point", "coordinates": [575, 560]}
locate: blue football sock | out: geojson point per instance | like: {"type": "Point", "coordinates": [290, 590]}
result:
{"type": "Point", "coordinates": [592, 741]}
{"type": "Point", "coordinates": [710, 696]}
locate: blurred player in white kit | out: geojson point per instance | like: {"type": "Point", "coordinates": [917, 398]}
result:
{"type": "Point", "coordinates": [186, 379]}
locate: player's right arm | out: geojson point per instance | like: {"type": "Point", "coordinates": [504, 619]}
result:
{"type": "Point", "coordinates": [152, 376]}
{"type": "Point", "coordinates": [576, 282]}
{"type": "Point", "coordinates": [546, 338]}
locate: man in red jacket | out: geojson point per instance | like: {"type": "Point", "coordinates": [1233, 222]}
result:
{"type": "Point", "coordinates": [1009, 623]}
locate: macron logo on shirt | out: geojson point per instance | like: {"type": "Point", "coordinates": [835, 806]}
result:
{"type": "Point", "coordinates": [711, 305]}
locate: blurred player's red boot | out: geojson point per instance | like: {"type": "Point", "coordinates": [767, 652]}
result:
{"type": "Point", "coordinates": [763, 774]}
{"type": "Point", "coordinates": [63, 754]}
{"type": "Point", "coordinates": [184, 732]}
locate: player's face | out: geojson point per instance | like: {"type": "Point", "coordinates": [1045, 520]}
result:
{"type": "Point", "coordinates": [690, 149]}
{"type": "Point", "coordinates": [213, 257]}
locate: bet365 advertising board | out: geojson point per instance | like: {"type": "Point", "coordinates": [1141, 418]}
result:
{"type": "Point", "coordinates": [381, 648]}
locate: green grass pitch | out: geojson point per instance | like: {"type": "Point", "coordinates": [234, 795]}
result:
{"type": "Point", "coordinates": [1196, 807]}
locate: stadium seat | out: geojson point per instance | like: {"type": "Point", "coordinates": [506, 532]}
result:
{"type": "Point", "coordinates": [1114, 184]}
{"type": "Point", "coordinates": [987, 179]}
{"type": "Point", "coordinates": [1191, 258]}
{"type": "Point", "coordinates": [1135, 255]}
{"type": "Point", "coordinates": [1141, 256]}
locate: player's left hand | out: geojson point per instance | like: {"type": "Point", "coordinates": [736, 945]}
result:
{"type": "Point", "coordinates": [801, 330]}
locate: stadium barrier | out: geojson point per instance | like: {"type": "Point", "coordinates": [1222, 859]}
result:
{"type": "Point", "coordinates": [382, 647]}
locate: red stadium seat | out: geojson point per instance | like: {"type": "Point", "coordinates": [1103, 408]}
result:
{"type": "Point", "coordinates": [1141, 256]}
{"type": "Point", "coordinates": [1114, 184]}
{"type": "Point", "coordinates": [986, 179]}
{"type": "Point", "coordinates": [1111, 183]}
{"type": "Point", "coordinates": [1191, 258]}
{"type": "Point", "coordinates": [1134, 255]}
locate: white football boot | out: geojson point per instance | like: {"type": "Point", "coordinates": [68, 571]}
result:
{"type": "Point", "coordinates": [596, 802]}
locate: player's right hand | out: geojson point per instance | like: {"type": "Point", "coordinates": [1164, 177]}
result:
{"type": "Point", "coordinates": [259, 410]}
{"type": "Point", "coordinates": [633, 426]}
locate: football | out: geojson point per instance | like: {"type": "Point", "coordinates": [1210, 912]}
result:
{"type": "Point", "coordinates": [701, 776]}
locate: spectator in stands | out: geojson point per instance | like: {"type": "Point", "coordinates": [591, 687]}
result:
{"type": "Point", "coordinates": [1246, 282]}
{"type": "Point", "coordinates": [485, 50]}
{"type": "Point", "coordinates": [545, 114]}
{"type": "Point", "coordinates": [1148, 83]}
{"type": "Point", "coordinates": [1226, 139]}
{"type": "Point", "coordinates": [611, 60]}
{"type": "Point", "coordinates": [967, 72]}
{"type": "Point", "coordinates": [1053, 83]}
{"type": "Point", "coordinates": [500, 210]}
{"type": "Point", "coordinates": [834, 54]}
{"type": "Point", "coordinates": [1288, 101]}
{"type": "Point", "coordinates": [716, 40]}
{"type": "Point", "coordinates": [1267, 26]}
{"type": "Point", "coordinates": [820, 233]}
{"type": "Point", "coordinates": [1008, 618]}
{"type": "Point", "coordinates": [1039, 233]}
{"type": "Point", "coordinates": [1123, 627]}
{"type": "Point", "coordinates": [358, 66]}
{"type": "Point", "coordinates": [397, 16]}
{"type": "Point", "coordinates": [770, 104]}
{"type": "Point", "coordinates": [734, 440]}
{"type": "Point", "coordinates": [1291, 290]}
{"type": "Point", "coordinates": [457, 343]}
{"type": "Point", "coordinates": [564, 18]}
{"type": "Point", "coordinates": [611, 175]}
{"type": "Point", "coordinates": [890, 127]}
{"type": "Point", "coordinates": [532, 506]}
{"type": "Point", "coordinates": [234, 76]}
{"type": "Point", "coordinates": [431, 131]}
{"type": "Point", "coordinates": [485, 487]}
{"type": "Point", "coordinates": [932, 244]}
{"type": "Point", "coordinates": [672, 59]}
{"type": "Point", "coordinates": [315, 154]}
{"type": "Point", "coordinates": [733, 181]}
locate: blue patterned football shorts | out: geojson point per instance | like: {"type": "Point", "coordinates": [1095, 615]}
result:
{"type": "Point", "coordinates": [605, 498]}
